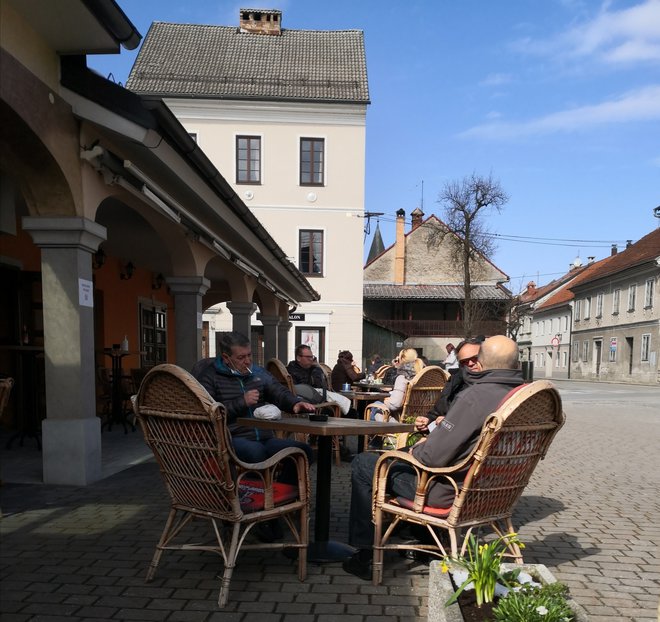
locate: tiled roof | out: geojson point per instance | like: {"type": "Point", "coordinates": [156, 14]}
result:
{"type": "Point", "coordinates": [191, 60]}
{"type": "Point", "coordinates": [644, 250]}
{"type": "Point", "coordinates": [538, 292]}
{"type": "Point", "coordinates": [565, 294]}
{"type": "Point", "coordinates": [385, 291]}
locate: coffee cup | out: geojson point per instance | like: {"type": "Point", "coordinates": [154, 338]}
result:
{"type": "Point", "coordinates": [346, 387]}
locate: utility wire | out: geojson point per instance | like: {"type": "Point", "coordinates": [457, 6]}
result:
{"type": "Point", "coordinates": [505, 237]}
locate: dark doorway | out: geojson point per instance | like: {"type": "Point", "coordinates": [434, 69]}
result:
{"type": "Point", "coordinates": [629, 343]}
{"type": "Point", "coordinates": [598, 347]}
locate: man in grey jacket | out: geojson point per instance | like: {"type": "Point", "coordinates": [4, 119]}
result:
{"type": "Point", "coordinates": [450, 442]}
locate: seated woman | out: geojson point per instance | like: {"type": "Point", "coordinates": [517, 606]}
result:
{"type": "Point", "coordinates": [408, 367]}
{"type": "Point", "coordinates": [345, 371]}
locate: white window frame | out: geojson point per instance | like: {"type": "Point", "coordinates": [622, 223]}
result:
{"type": "Point", "coordinates": [632, 295]}
{"type": "Point", "coordinates": [578, 308]}
{"type": "Point", "coordinates": [648, 293]}
{"type": "Point", "coordinates": [564, 359]}
{"type": "Point", "coordinates": [585, 351]}
{"type": "Point", "coordinates": [576, 351]}
{"type": "Point", "coordinates": [646, 347]}
{"type": "Point", "coordinates": [587, 307]}
{"type": "Point", "coordinates": [616, 301]}
{"type": "Point", "coordinates": [599, 305]}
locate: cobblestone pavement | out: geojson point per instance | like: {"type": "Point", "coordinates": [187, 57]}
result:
{"type": "Point", "coordinates": [590, 514]}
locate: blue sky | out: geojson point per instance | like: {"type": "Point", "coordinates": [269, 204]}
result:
{"type": "Point", "coordinates": [559, 100]}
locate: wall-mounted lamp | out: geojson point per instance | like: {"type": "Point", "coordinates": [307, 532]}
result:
{"type": "Point", "coordinates": [98, 259]}
{"type": "Point", "coordinates": [158, 281]}
{"type": "Point", "coordinates": [127, 272]}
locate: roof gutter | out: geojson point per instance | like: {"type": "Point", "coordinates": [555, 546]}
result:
{"type": "Point", "coordinates": [114, 20]}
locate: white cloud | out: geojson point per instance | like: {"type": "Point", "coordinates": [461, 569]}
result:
{"type": "Point", "coordinates": [630, 35]}
{"type": "Point", "coordinates": [496, 79]}
{"type": "Point", "coordinates": [640, 105]}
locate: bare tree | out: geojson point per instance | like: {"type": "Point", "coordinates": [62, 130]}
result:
{"type": "Point", "coordinates": [466, 204]}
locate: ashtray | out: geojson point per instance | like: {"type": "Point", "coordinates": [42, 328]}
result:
{"type": "Point", "coordinates": [318, 417]}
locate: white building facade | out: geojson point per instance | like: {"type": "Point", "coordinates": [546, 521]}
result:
{"type": "Point", "coordinates": [283, 116]}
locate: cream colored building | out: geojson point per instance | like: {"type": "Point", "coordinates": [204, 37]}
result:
{"type": "Point", "coordinates": [283, 115]}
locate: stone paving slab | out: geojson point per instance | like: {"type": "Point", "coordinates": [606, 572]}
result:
{"type": "Point", "coordinates": [590, 514]}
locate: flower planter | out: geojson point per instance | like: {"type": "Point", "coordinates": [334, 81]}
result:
{"type": "Point", "coordinates": [441, 589]}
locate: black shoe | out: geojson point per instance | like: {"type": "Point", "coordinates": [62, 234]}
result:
{"type": "Point", "coordinates": [416, 556]}
{"type": "Point", "coordinates": [358, 566]}
{"type": "Point", "coordinates": [269, 532]}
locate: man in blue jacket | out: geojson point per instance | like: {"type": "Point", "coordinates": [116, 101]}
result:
{"type": "Point", "coordinates": [449, 443]}
{"type": "Point", "coordinates": [242, 388]}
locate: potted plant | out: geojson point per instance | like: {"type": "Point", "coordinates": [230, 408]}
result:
{"type": "Point", "coordinates": [498, 591]}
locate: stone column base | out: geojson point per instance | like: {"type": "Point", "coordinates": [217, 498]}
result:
{"type": "Point", "coordinates": [71, 451]}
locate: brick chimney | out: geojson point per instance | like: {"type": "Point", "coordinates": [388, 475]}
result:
{"type": "Point", "coordinates": [615, 250]}
{"type": "Point", "coordinates": [261, 21]}
{"type": "Point", "coordinates": [417, 215]}
{"type": "Point", "coordinates": [400, 248]}
{"type": "Point", "coordinates": [628, 243]}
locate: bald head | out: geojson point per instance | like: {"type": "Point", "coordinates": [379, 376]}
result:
{"type": "Point", "coordinates": [499, 352]}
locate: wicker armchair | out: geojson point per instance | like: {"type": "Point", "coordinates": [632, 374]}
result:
{"type": "Point", "coordinates": [327, 370]}
{"type": "Point", "coordinates": [421, 393]}
{"type": "Point", "coordinates": [278, 370]}
{"type": "Point", "coordinates": [512, 441]}
{"type": "Point", "coordinates": [186, 430]}
{"type": "Point", "coordinates": [380, 372]}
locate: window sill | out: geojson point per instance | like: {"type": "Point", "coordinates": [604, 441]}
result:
{"type": "Point", "coordinates": [248, 183]}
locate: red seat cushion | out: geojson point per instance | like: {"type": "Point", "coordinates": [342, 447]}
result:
{"type": "Point", "coordinates": [427, 509]}
{"type": "Point", "coordinates": [251, 494]}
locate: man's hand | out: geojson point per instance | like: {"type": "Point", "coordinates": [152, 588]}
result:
{"type": "Point", "coordinates": [251, 397]}
{"type": "Point", "coordinates": [303, 407]}
{"type": "Point", "coordinates": [422, 424]}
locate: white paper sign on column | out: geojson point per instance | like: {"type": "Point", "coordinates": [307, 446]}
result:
{"type": "Point", "coordinates": [85, 293]}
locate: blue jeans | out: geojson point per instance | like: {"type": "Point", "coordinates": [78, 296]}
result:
{"type": "Point", "coordinates": [402, 482]}
{"type": "Point", "coordinates": [257, 451]}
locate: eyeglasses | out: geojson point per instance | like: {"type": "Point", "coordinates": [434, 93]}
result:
{"type": "Point", "coordinates": [469, 361]}
{"type": "Point", "coordinates": [306, 356]}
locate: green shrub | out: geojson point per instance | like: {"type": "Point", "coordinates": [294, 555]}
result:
{"type": "Point", "coordinates": [535, 604]}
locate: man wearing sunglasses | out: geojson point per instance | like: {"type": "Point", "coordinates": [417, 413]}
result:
{"type": "Point", "coordinates": [467, 355]}
{"type": "Point", "coordinates": [449, 443]}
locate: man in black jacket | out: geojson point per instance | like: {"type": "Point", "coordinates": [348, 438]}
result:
{"type": "Point", "coordinates": [305, 370]}
{"type": "Point", "coordinates": [449, 443]}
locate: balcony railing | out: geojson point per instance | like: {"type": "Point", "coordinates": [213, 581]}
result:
{"type": "Point", "coordinates": [442, 328]}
